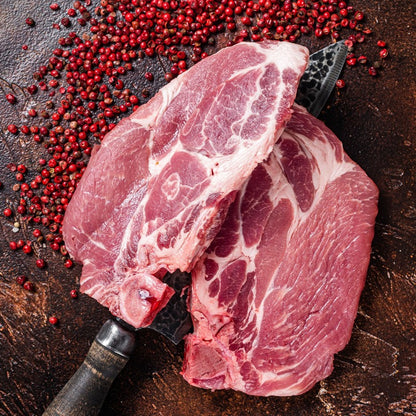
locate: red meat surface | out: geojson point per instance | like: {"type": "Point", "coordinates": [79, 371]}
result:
{"type": "Point", "coordinates": [157, 190]}
{"type": "Point", "coordinates": [276, 294]}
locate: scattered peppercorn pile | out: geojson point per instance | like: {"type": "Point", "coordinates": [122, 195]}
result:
{"type": "Point", "coordinates": [85, 76]}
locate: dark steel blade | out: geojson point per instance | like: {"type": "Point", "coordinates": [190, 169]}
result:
{"type": "Point", "coordinates": [174, 320]}
{"type": "Point", "coordinates": [320, 77]}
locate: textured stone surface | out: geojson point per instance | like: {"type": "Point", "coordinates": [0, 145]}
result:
{"type": "Point", "coordinates": [374, 375]}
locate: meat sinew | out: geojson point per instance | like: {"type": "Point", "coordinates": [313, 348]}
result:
{"type": "Point", "coordinates": [276, 294]}
{"type": "Point", "coordinates": [156, 192]}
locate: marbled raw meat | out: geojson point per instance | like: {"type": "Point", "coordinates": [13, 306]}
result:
{"type": "Point", "coordinates": [276, 294]}
{"type": "Point", "coordinates": [156, 192]}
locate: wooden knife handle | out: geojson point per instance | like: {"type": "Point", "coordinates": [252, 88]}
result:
{"type": "Point", "coordinates": [85, 392]}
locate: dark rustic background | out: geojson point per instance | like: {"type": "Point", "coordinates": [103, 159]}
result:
{"type": "Point", "coordinates": [374, 375]}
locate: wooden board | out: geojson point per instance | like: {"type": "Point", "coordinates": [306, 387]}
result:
{"type": "Point", "coordinates": [374, 375]}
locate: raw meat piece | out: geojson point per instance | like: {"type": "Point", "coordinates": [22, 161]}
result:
{"type": "Point", "coordinates": [156, 192]}
{"type": "Point", "coordinates": [276, 294]}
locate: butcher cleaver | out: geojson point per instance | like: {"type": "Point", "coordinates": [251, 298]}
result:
{"type": "Point", "coordinates": [85, 392]}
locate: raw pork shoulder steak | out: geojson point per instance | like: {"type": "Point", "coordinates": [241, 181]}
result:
{"type": "Point", "coordinates": [277, 292]}
{"type": "Point", "coordinates": [156, 192]}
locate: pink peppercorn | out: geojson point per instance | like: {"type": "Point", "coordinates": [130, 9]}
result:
{"type": "Point", "coordinates": [53, 320]}
{"type": "Point", "coordinates": [40, 263]}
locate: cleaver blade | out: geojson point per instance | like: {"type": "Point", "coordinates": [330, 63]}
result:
{"type": "Point", "coordinates": [320, 76]}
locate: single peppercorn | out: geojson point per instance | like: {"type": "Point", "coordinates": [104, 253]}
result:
{"type": "Point", "coordinates": [37, 233]}
{"type": "Point", "coordinates": [340, 83]}
{"type": "Point", "coordinates": [54, 246]}
{"type": "Point", "coordinates": [25, 129]}
{"type": "Point", "coordinates": [32, 89]}
{"type": "Point", "coordinates": [11, 98]}
{"type": "Point", "coordinates": [65, 22]}
{"type": "Point", "coordinates": [30, 22]}
{"type": "Point", "coordinates": [383, 53]}
{"type": "Point", "coordinates": [351, 61]}
{"type": "Point", "coordinates": [20, 280]}
{"type": "Point", "coordinates": [12, 128]}
{"type": "Point", "coordinates": [27, 249]}
{"type": "Point", "coordinates": [68, 263]}
{"type": "Point", "coordinates": [372, 71]}
{"type": "Point", "coordinates": [53, 320]}
{"type": "Point", "coordinates": [73, 294]}
{"type": "Point", "coordinates": [362, 59]}
{"type": "Point", "coordinates": [7, 212]}
{"type": "Point", "coordinates": [40, 263]}
{"type": "Point", "coordinates": [21, 168]}
{"type": "Point", "coordinates": [28, 286]}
